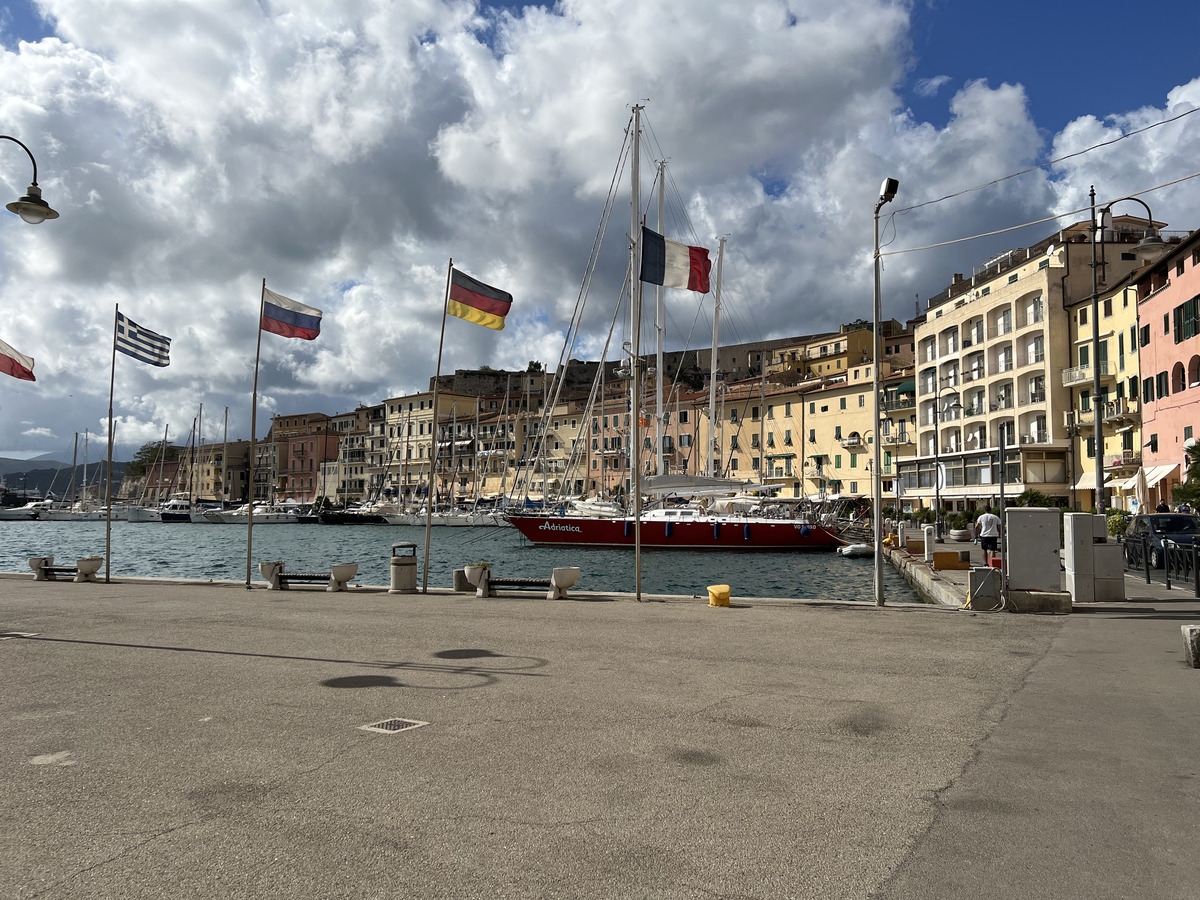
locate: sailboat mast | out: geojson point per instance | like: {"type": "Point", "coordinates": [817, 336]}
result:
{"type": "Point", "coordinates": [635, 350]}
{"type": "Point", "coordinates": [712, 366]}
{"type": "Point", "coordinates": [74, 467]}
{"type": "Point", "coordinates": [660, 323]}
{"type": "Point", "coordinates": [225, 462]}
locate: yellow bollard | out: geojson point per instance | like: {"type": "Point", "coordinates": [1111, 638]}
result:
{"type": "Point", "coordinates": [718, 595]}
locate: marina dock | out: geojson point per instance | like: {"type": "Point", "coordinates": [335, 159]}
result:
{"type": "Point", "coordinates": [169, 739]}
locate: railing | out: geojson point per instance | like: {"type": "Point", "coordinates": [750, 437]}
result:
{"type": "Point", "coordinates": [902, 438]}
{"type": "Point", "coordinates": [851, 441]}
{"type": "Point", "coordinates": [1178, 562]}
{"type": "Point", "coordinates": [1080, 374]}
{"type": "Point", "coordinates": [902, 403]}
{"type": "Point", "coordinates": [1032, 397]}
{"type": "Point", "coordinates": [972, 375]}
{"type": "Point", "coordinates": [974, 411]}
{"type": "Point", "coordinates": [999, 330]}
{"type": "Point", "coordinates": [1029, 359]}
{"type": "Point", "coordinates": [1124, 459]}
{"type": "Point", "coordinates": [1035, 319]}
{"type": "Point", "coordinates": [1004, 364]}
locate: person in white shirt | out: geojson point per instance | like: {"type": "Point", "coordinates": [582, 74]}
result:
{"type": "Point", "coordinates": [987, 527]}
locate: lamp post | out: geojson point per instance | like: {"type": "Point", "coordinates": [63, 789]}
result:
{"type": "Point", "coordinates": [937, 458]}
{"type": "Point", "coordinates": [887, 192]}
{"type": "Point", "coordinates": [1149, 248]}
{"type": "Point", "coordinates": [32, 208]}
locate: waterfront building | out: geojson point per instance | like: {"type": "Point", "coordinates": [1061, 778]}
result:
{"type": "Point", "coordinates": [991, 353]}
{"type": "Point", "coordinates": [1169, 346]}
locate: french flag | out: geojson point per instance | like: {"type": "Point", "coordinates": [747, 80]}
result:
{"type": "Point", "coordinates": [288, 318]}
{"type": "Point", "coordinates": [672, 264]}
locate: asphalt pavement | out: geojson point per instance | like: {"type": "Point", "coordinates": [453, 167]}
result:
{"type": "Point", "coordinates": [169, 740]}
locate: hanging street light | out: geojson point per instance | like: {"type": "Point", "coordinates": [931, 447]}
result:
{"type": "Point", "coordinates": [887, 193]}
{"type": "Point", "coordinates": [1148, 249]}
{"type": "Point", "coordinates": [32, 208]}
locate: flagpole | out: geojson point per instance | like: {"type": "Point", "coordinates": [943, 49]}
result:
{"type": "Point", "coordinates": [262, 299]}
{"type": "Point", "coordinates": [433, 456]}
{"type": "Point", "coordinates": [108, 489]}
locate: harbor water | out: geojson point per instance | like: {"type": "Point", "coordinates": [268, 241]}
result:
{"type": "Point", "coordinates": [218, 552]}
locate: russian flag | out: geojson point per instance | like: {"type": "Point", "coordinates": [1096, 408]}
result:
{"type": "Point", "coordinates": [288, 318]}
{"type": "Point", "coordinates": [18, 365]}
{"type": "Point", "coordinates": [672, 264]}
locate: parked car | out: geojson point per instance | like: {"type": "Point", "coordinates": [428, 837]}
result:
{"type": "Point", "coordinates": [1180, 528]}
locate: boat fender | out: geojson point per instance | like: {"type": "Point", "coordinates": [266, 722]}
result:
{"type": "Point", "coordinates": [804, 532]}
{"type": "Point", "coordinates": [628, 527]}
{"type": "Point", "coordinates": [670, 528]}
{"type": "Point", "coordinates": [746, 532]}
{"type": "Point", "coordinates": [716, 530]}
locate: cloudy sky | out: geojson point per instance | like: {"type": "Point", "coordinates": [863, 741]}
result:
{"type": "Point", "coordinates": [345, 150]}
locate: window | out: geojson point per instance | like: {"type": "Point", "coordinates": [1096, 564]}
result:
{"type": "Point", "coordinates": [854, 460]}
{"type": "Point", "coordinates": [1085, 400]}
{"type": "Point", "coordinates": [787, 409]}
{"type": "Point", "coordinates": [1083, 317]}
{"type": "Point", "coordinates": [812, 407]}
{"type": "Point", "coordinates": [1108, 308]}
{"type": "Point", "coordinates": [1179, 267]}
{"type": "Point", "coordinates": [1145, 336]}
{"type": "Point", "coordinates": [1160, 382]}
{"type": "Point", "coordinates": [787, 437]}
{"type": "Point", "coordinates": [683, 417]}
{"type": "Point", "coordinates": [982, 293]}
{"type": "Point", "coordinates": [1084, 356]}
{"type": "Point", "coordinates": [733, 414]}
{"type": "Point", "coordinates": [837, 461]}
{"type": "Point", "coordinates": [812, 435]}
{"type": "Point", "coordinates": [770, 440]}
{"type": "Point", "coordinates": [841, 402]}
{"type": "Point", "coordinates": [754, 414]}
{"type": "Point", "coordinates": [1187, 432]}
{"type": "Point", "coordinates": [837, 432]}
{"type": "Point", "coordinates": [754, 441]}
{"type": "Point", "coordinates": [1012, 279]}
{"type": "Point", "coordinates": [733, 464]}
{"type": "Point", "coordinates": [862, 400]}
{"type": "Point", "coordinates": [1091, 447]}
{"type": "Point", "coordinates": [1154, 443]}
{"type": "Point", "coordinates": [1147, 390]}
{"type": "Point", "coordinates": [733, 443]}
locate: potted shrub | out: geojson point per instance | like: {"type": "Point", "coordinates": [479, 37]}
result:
{"type": "Point", "coordinates": [960, 530]}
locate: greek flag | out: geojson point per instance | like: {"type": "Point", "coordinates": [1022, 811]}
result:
{"type": "Point", "coordinates": [142, 343]}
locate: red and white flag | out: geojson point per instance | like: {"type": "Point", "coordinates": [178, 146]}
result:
{"type": "Point", "coordinates": [18, 365]}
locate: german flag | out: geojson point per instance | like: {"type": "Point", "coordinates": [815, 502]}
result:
{"type": "Point", "coordinates": [477, 302]}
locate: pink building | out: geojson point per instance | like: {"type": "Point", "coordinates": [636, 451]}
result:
{"type": "Point", "coordinates": [1169, 358]}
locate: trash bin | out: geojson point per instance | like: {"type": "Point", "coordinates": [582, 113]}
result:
{"type": "Point", "coordinates": [404, 568]}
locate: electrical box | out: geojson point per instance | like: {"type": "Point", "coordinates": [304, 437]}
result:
{"type": "Point", "coordinates": [1032, 538]}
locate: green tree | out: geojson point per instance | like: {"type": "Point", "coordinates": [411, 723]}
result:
{"type": "Point", "coordinates": [147, 456]}
{"type": "Point", "coordinates": [1189, 491]}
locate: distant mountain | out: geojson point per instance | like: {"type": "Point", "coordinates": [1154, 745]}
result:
{"type": "Point", "coordinates": [35, 478]}
{"type": "Point", "coordinates": [8, 466]}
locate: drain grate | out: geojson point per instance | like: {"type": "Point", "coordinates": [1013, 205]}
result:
{"type": "Point", "coordinates": [392, 726]}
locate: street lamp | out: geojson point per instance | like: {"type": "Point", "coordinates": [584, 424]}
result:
{"type": "Point", "coordinates": [937, 458]}
{"type": "Point", "coordinates": [32, 208]}
{"type": "Point", "coordinates": [887, 192]}
{"type": "Point", "coordinates": [1149, 248]}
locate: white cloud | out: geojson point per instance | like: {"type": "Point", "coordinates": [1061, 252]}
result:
{"type": "Point", "coordinates": [346, 151]}
{"type": "Point", "coordinates": [929, 87]}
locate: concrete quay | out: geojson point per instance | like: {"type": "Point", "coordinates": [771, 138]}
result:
{"type": "Point", "coordinates": [169, 740]}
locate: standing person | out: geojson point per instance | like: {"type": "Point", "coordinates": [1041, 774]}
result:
{"type": "Point", "coordinates": [987, 527]}
{"type": "Point", "coordinates": [1162, 506]}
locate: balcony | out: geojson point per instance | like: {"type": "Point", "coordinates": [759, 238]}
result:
{"type": "Point", "coordinates": [900, 439]}
{"type": "Point", "coordinates": [1030, 359]}
{"type": "Point", "coordinates": [1002, 403]}
{"type": "Point", "coordinates": [999, 330]}
{"type": "Point", "coordinates": [1033, 397]}
{"type": "Point", "coordinates": [973, 375]}
{"type": "Point", "coordinates": [1082, 374]}
{"type": "Point", "coordinates": [851, 441]}
{"type": "Point", "coordinates": [1130, 459]}
{"type": "Point", "coordinates": [977, 409]}
{"type": "Point", "coordinates": [1036, 319]}
{"type": "Point", "coordinates": [901, 403]}
{"type": "Point", "coordinates": [1120, 410]}
{"type": "Point", "coordinates": [1004, 364]}
{"type": "Point", "coordinates": [1037, 437]}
